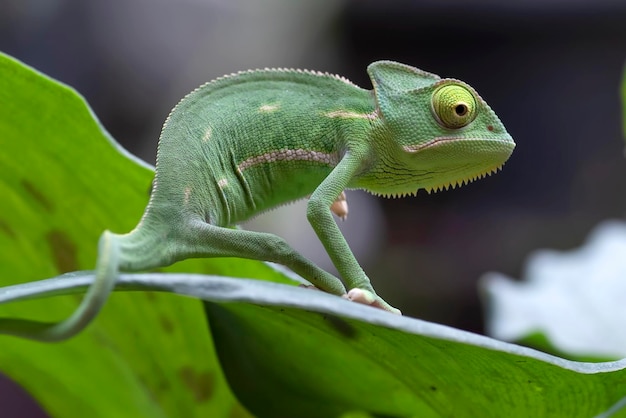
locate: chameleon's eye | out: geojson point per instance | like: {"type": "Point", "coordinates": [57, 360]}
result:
{"type": "Point", "coordinates": [454, 106]}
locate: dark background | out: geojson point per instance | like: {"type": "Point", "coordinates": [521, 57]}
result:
{"type": "Point", "coordinates": [550, 69]}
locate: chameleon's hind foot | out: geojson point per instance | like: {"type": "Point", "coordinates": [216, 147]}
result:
{"type": "Point", "coordinates": [368, 298]}
{"type": "Point", "coordinates": [364, 297]}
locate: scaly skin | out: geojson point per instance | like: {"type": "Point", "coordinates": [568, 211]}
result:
{"type": "Point", "coordinates": [248, 142]}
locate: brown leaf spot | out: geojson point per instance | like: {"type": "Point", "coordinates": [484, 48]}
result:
{"type": "Point", "coordinates": [201, 385]}
{"type": "Point", "coordinates": [164, 385]}
{"type": "Point", "coordinates": [7, 230]}
{"type": "Point", "coordinates": [341, 326]}
{"type": "Point", "coordinates": [63, 250]}
{"type": "Point", "coordinates": [166, 324]}
{"type": "Point", "coordinates": [38, 195]}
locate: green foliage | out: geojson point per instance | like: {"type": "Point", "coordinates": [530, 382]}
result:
{"type": "Point", "coordinates": [63, 181]}
{"type": "Point", "coordinates": [293, 352]}
{"type": "Point", "coordinates": [285, 351]}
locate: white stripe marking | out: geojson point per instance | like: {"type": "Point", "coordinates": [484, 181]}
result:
{"type": "Point", "coordinates": [207, 134]}
{"type": "Point", "coordinates": [268, 108]}
{"type": "Point", "coordinates": [346, 114]}
{"type": "Point", "coordinates": [290, 155]}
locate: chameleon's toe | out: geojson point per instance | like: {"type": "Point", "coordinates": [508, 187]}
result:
{"type": "Point", "coordinates": [308, 286]}
{"type": "Point", "coordinates": [368, 298]}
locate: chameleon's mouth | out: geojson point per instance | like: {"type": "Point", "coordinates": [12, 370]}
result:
{"type": "Point", "coordinates": [446, 163]}
{"type": "Point", "coordinates": [448, 139]}
{"type": "Point", "coordinates": [488, 158]}
{"type": "Point", "coordinates": [444, 185]}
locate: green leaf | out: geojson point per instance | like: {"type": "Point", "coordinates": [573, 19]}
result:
{"type": "Point", "coordinates": [294, 352]}
{"type": "Point", "coordinates": [63, 180]}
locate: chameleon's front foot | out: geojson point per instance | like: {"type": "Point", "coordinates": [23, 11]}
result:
{"type": "Point", "coordinates": [368, 298]}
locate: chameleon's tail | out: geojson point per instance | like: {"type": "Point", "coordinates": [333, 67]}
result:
{"type": "Point", "coordinates": [97, 294]}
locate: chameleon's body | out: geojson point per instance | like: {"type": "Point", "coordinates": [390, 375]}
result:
{"type": "Point", "coordinates": [248, 142]}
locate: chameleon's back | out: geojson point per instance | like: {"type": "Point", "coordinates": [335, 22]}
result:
{"type": "Point", "coordinates": [247, 142]}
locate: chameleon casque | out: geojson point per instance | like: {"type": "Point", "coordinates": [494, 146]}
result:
{"type": "Point", "coordinates": [245, 143]}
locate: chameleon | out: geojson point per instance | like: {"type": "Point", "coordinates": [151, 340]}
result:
{"type": "Point", "coordinates": [247, 142]}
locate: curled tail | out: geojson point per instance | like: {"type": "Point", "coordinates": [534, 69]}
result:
{"type": "Point", "coordinates": [106, 275]}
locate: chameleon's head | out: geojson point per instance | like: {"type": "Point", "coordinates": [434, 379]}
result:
{"type": "Point", "coordinates": [434, 133]}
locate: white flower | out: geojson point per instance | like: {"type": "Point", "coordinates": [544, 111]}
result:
{"type": "Point", "coordinates": [577, 299]}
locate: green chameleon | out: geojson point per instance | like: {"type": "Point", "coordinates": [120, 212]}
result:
{"type": "Point", "coordinates": [248, 142]}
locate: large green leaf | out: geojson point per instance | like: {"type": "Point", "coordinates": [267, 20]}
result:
{"type": "Point", "coordinates": [63, 180]}
{"type": "Point", "coordinates": [293, 352]}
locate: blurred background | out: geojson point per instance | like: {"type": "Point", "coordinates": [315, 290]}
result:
{"type": "Point", "coordinates": [550, 69]}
